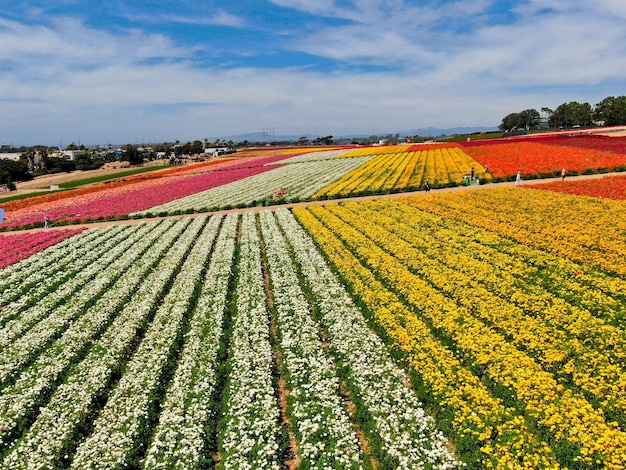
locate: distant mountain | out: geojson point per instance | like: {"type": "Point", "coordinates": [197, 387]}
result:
{"type": "Point", "coordinates": [254, 137]}
{"type": "Point", "coordinates": [263, 137]}
{"type": "Point", "coordinates": [438, 132]}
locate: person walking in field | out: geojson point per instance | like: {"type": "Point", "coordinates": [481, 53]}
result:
{"type": "Point", "coordinates": [563, 172]}
{"type": "Point", "coordinates": [518, 179]}
{"type": "Point", "coordinates": [46, 222]}
{"type": "Point", "coordinates": [427, 187]}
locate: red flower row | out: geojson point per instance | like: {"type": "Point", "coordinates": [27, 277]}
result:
{"type": "Point", "coordinates": [532, 158]}
{"type": "Point", "coordinates": [126, 200]}
{"type": "Point", "coordinates": [590, 142]}
{"type": "Point", "coordinates": [17, 247]}
{"type": "Point", "coordinates": [610, 187]}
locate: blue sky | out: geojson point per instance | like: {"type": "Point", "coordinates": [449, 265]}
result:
{"type": "Point", "coordinates": [136, 71]}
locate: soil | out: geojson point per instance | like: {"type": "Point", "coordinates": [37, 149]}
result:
{"type": "Point", "coordinates": [44, 182]}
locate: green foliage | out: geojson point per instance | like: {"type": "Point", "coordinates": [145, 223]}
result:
{"type": "Point", "coordinates": [572, 114]}
{"type": "Point", "coordinates": [611, 110]}
{"type": "Point", "coordinates": [59, 164]}
{"type": "Point", "coordinates": [13, 171]}
{"type": "Point", "coordinates": [527, 119]}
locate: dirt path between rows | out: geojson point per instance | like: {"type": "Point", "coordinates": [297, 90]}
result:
{"type": "Point", "coordinates": [290, 205]}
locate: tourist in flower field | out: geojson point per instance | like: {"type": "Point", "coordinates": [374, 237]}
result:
{"type": "Point", "coordinates": [563, 172]}
{"type": "Point", "coordinates": [518, 179]}
{"type": "Point", "coordinates": [46, 222]}
{"type": "Point", "coordinates": [427, 187]}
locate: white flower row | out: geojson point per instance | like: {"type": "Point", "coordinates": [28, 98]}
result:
{"type": "Point", "coordinates": [25, 336]}
{"type": "Point", "coordinates": [249, 435]}
{"type": "Point", "coordinates": [52, 435]}
{"type": "Point", "coordinates": [179, 438]}
{"type": "Point", "coordinates": [30, 283]}
{"type": "Point", "coordinates": [325, 434]}
{"type": "Point", "coordinates": [37, 267]}
{"type": "Point", "coordinates": [300, 180]}
{"type": "Point", "coordinates": [127, 410]}
{"type": "Point", "coordinates": [39, 378]}
{"type": "Point", "coordinates": [313, 157]}
{"type": "Point", "coordinates": [405, 432]}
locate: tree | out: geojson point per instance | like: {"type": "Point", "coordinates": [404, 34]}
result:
{"type": "Point", "coordinates": [527, 119]}
{"type": "Point", "coordinates": [572, 114]}
{"type": "Point", "coordinates": [132, 155]}
{"type": "Point", "coordinates": [510, 121]}
{"type": "Point", "coordinates": [611, 110]}
{"type": "Point", "coordinates": [13, 171]}
{"type": "Point", "coordinates": [530, 118]}
{"type": "Point", "coordinates": [196, 147]}
{"type": "Point", "coordinates": [59, 164]}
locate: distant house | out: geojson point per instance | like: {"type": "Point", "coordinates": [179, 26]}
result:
{"type": "Point", "coordinates": [11, 156]}
{"type": "Point", "coordinates": [215, 151]}
{"type": "Point", "coordinates": [69, 155]}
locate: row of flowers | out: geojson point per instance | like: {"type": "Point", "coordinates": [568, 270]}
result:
{"type": "Point", "coordinates": [323, 429]}
{"type": "Point", "coordinates": [17, 247]}
{"type": "Point", "coordinates": [401, 434]}
{"type": "Point", "coordinates": [539, 272]}
{"type": "Point", "coordinates": [541, 397]}
{"type": "Point", "coordinates": [487, 432]}
{"type": "Point", "coordinates": [27, 282]}
{"type": "Point", "coordinates": [533, 159]}
{"type": "Point", "coordinates": [571, 342]}
{"type": "Point", "coordinates": [250, 431]}
{"type": "Point", "coordinates": [298, 181]}
{"type": "Point", "coordinates": [402, 171]}
{"type": "Point", "coordinates": [122, 201]}
{"type": "Point", "coordinates": [18, 402]}
{"type": "Point", "coordinates": [128, 407]}
{"type": "Point", "coordinates": [26, 335]}
{"type": "Point", "coordinates": [585, 229]}
{"type": "Point", "coordinates": [134, 182]}
{"type": "Point", "coordinates": [609, 187]}
{"type": "Point", "coordinates": [51, 439]}
{"type": "Point", "coordinates": [179, 439]}
{"type": "Point", "coordinates": [589, 142]}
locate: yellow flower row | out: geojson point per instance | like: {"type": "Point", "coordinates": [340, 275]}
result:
{"type": "Point", "coordinates": [478, 415]}
{"type": "Point", "coordinates": [345, 185]}
{"type": "Point", "coordinates": [375, 150]}
{"type": "Point", "coordinates": [566, 413]}
{"type": "Point", "coordinates": [496, 292]}
{"type": "Point", "coordinates": [401, 170]}
{"type": "Point", "coordinates": [586, 229]}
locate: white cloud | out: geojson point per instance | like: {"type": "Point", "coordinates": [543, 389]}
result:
{"type": "Point", "coordinates": [220, 18]}
{"type": "Point", "coordinates": [71, 82]}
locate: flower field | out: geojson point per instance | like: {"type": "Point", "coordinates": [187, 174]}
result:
{"type": "Point", "coordinates": [520, 350]}
{"type": "Point", "coordinates": [300, 180]}
{"type": "Point", "coordinates": [536, 159]}
{"type": "Point", "coordinates": [17, 247]}
{"type": "Point", "coordinates": [589, 142]}
{"type": "Point", "coordinates": [404, 168]}
{"type": "Point", "coordinates": [123, 199]}
{"type": "Point", "coordinates": [309, 173]}
{"type": "Point", "coordinates": [154, 345]}
{"type": "Point", "coordinates": [610, 187]}
{"type": "Point", "coordinates": [475, 329]}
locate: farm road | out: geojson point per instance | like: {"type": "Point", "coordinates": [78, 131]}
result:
{"type": "Point", "coordinates": [327, 201]}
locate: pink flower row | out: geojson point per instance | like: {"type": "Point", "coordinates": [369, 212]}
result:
{"type": "Point", "coordinates": [17, 247]}
{"type": "Point", "coordinates": [124, 200]}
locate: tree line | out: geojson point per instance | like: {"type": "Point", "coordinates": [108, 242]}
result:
{"type": "Point", "coordinates": [611, 111]}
